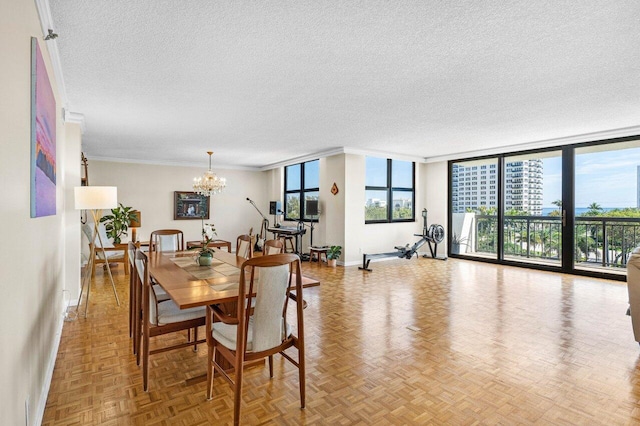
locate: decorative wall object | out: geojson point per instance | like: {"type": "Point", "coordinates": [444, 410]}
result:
{"type": "Point", "coordinates": [334, 189]}
{"type": "Point", "coordinates": [190, 205]}
{"type": "Point", "coordinates": [43, 137]}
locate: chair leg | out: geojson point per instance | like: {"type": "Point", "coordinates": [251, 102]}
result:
{"type": "Point", "coordinates": [195, 339]}
{"type": "Point", "coordinates": [271, 366]}
{"type": "Point", "coordinates": [301, 378]}
{"type": "Point", "coordinates": [131, 307]}
{"type": "Point", "coordinates": [145, 360]}
{"type": "Point", "coordinates": [210, 357]}
{"type": "Point", "coordinates": [237, 395]}
{"type": "Point", "coordinates": [137, 332]}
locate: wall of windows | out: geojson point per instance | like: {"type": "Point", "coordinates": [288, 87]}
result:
{"type": "Point", "coordinates": [575, 208]}
{"type": "Point", "coordinates": [301, 182]}
{"type": "Point", "coordinates": [389, 190]}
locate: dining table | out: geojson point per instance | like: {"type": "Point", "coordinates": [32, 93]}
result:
{"type": "Point", "coordinates": [189, 284]}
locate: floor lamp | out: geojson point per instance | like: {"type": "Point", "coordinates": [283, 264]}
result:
{"type": "Point", "coordinates": [95, 199]}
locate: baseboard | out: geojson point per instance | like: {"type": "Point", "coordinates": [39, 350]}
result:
{"type": "Point", "coordinates": [42, 400]}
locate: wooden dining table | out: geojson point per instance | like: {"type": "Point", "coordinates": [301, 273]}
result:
{"type": "Point", "coordinates": [190, 285]}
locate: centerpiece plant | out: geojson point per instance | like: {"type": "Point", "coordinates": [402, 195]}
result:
{"type": "Point", "coordinates": [205, 253]}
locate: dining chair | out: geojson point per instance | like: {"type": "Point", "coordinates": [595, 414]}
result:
{"type": "Point", "coordinates": [259, 332]}
{"type": "Point", "coordinates": [166, 240]}
{"type": "Point", "coordinates": [160, 240]}
{"type": "Point", "coordinates": [243, 246]}
{"type": "Point", "coordinates": [162, 317]}
{"type": "Point", "coordinates": [272, 247]}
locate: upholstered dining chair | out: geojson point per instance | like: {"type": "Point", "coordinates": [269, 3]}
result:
{"type": "Point", "coordinates": [160, 240]}
{"type": "Point", "coordinates": [243, 246]}
{"type": "Point", "coordinates": [166, 240]}
{"type": "Point", "coordinates": [272, 247]}
{"type": "Point", "coordinates": [259, 332]}
{"type": "Point", "coordinates": [162, 317]}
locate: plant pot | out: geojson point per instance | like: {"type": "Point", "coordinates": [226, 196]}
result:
{"type": "Point", "coordinates": [455, 248]}
{"type": "Point", "coordinates": [331, 262]}
{"type": "Point", "coordinates": [205, 260]}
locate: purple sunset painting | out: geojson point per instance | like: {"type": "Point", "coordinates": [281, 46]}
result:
{"type": "Point", "coordinates": [43, 137]}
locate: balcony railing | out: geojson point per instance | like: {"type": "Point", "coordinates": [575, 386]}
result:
{"type": "Point", "coordinates": [598, 241]}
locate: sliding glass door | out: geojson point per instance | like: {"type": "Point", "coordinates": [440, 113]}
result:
{"type": "Point", "coordinates": [532, 223]}
{"type": "Point", "coordinates": [607, 197]}
{"type": "Point", "coordinates": [574, 209]}
{"type": "Point", "coordinates": [474, 207]}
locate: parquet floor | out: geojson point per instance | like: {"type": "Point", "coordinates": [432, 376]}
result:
{"type": "Point", "coordinates": [413, 342]}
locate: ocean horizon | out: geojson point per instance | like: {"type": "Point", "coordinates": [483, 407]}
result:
{"type": "Point", "coordinates": [579, 210]}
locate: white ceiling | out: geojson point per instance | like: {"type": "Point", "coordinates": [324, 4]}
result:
{"type": "Point", "coordinates": [259, 83]}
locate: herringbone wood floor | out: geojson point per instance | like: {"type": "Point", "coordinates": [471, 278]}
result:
{"type": "Point", "coordinates": [491, 345]}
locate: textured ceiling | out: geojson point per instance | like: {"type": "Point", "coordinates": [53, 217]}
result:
{"type": "Point", "coordinates": [264, 82]}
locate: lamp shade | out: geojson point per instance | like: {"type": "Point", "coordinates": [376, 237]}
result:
{"type": "Point", "coordinates": [135, 219]}
{"type": "Point", "coordinates": [95, 197]}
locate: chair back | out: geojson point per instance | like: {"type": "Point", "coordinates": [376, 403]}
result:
{"type": "Point", "coordinates": [87, 229]}
{"type": "Point", "coordinates": [131, 248]}
{"type": "Point", "coordinates": [148, 296]}
{"type": "Point", "coordinates": [141, 265]}
{"type": "Point", "coordinates": [166, 240]}
{"type": "Point", "coordinates": [102, 233]}
{"type": "Point", "coordinates": [272, 247]}
{"type": "Point", "coordinates": [243, 247]}
{"type": "Point", "coordinates": [270, 279]}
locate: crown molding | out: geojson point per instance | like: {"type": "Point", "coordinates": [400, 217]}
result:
{"type": "Point", "coordinates": [169, 163]}
{"type": "Point", "coordinates": [565, 140]}
{"type": "Point", "coordinates": [46, 22]}
{"type": "Point", "coordinates": [76, 118]}
{"type": "Point", "coordinates": [302, 159]}
{"type": "Point", "coordinates": [342, 150]}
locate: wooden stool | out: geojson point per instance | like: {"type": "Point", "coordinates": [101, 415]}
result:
{"type": "Point", "coordinates": [319, 251]}
{"type": "Point", "coordinates": [288, 239]}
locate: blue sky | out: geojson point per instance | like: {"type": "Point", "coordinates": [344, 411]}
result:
{"type": "Point", "coordinates": [608, 178]}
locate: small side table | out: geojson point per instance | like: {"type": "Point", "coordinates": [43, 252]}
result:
{"type": "Point", "coordinates": [214, 243]}
{"type": "Point", "coordinates": [319, 251]}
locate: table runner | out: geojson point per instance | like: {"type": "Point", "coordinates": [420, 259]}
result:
{"type": "Point", "coordinates": [217, 269]}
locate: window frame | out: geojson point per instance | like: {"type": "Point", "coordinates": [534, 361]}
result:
{"type": "Point", "coordinates": [300, 192]}
{"type": "Point", "coordinates": [389, 189]}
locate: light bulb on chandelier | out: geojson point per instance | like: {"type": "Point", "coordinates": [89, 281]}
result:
{"type": "Point", "coordinates": [209, 184]}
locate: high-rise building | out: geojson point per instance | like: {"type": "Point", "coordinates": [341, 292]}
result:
{"type": "Point", "coordinates": [475, 187]}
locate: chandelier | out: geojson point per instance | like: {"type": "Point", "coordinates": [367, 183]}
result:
{"type": "Point", "coordinates": [209, 183]}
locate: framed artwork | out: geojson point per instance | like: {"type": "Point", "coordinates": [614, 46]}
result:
{"type": "Point", "coordinates": [43, 137]}
{"type": "Point", "coordinates": [190, 205]}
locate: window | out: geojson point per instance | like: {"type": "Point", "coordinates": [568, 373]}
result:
{"type": "Point", "coordinates": [301, 182]}
{"type": "Point", "coordinates": [389, 191]}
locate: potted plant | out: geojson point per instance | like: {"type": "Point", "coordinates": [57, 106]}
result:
{"type": "Point", "coordinates": [117, 223]}
{"type": "Point", "coordinates": [456, 242]}
{"type": "Point", "coordinates": [205, 253]}
{"type": "Point", "coordinates": [333, 254]}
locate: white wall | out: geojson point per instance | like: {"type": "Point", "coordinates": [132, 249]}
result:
{"type": "Point", "coordinates": [436, 197]}
{"type": "Point", "coordinates": [150, 189]}
{"type": "Point", "coordinates": [71, 176]}
{"type": "Point", "coordinates": [33, 254]}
